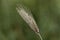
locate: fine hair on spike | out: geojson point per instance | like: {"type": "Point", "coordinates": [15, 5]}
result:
{"type": "Point", "coordinates": [28, 18]}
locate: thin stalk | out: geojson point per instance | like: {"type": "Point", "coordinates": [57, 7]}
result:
{"type": "Point", "coordinates": [39, 36]}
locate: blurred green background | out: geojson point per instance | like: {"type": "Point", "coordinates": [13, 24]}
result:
{"type": "Point", "coordinates": [45, 12]}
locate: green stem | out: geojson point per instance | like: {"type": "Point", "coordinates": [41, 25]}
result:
{"type": "Point", "coordinates": [39, 36]}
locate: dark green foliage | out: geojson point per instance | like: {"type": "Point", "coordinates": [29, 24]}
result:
{"type": "Point", "coordinates": [45, 12]}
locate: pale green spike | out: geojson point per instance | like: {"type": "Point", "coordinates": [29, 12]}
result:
{"type": "Point", "coordinates": [28, 19]}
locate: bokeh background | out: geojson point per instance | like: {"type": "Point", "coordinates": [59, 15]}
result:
{"type": "Point", "coordinates": [45, 12]}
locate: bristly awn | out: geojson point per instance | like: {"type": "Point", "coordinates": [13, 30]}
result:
{"type": "Point", "coordinates": [28, 19]}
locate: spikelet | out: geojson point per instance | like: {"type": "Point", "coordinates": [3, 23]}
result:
{"type": "Point", "coordinates": [28, 18]}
